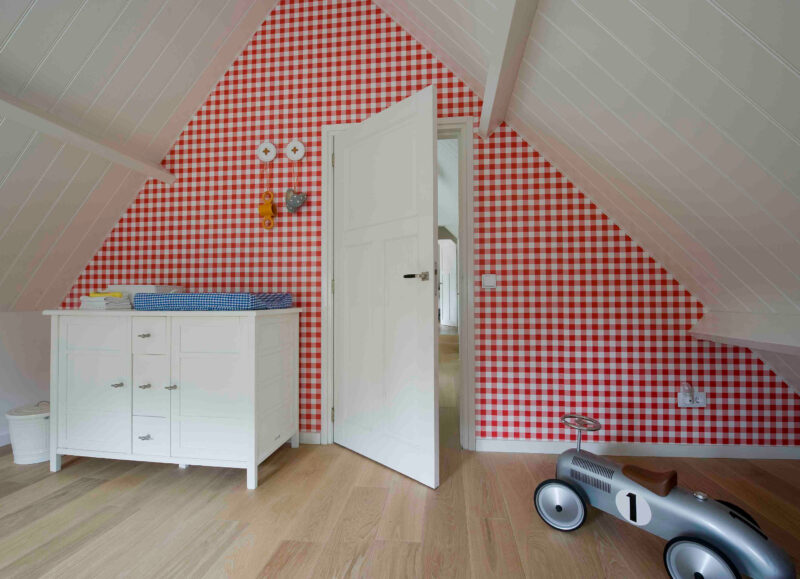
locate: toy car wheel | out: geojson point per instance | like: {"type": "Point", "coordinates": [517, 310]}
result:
{"type": "Point", "coordinates": [559, 505]}
{"type": "Point", "coordinates": [740, 511]}
{"type": "Point", "coordinates": [689, 558]}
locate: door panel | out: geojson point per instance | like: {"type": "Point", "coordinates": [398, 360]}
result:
{"type": "Point", "coordinates": [94, 385]}
{"type": "Point", "coordinates": [209, 407]}
{"type": "Point", "coordinates": [385, 339]}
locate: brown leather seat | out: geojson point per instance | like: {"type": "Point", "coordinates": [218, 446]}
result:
{"type": "Point", "coordinates": [658, 482]}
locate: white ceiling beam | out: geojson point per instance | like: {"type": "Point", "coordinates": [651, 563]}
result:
{"type": "Point", "coordinates": [770, 332]}
{"type": "Point", "coordinates": [510, 34]}
{"type": "Point", "coordinates": [14, 109]}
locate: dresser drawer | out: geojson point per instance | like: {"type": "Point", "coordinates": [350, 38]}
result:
{"type": "Point", "coordinates": [149, 335]}
{"type": "Point", "coordinates": [150, 435]}
{"type": "Point", "coordinates": [150, 381]}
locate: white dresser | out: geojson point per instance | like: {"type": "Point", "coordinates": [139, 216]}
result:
{"type": "Point", "coordinates": [191, 388]}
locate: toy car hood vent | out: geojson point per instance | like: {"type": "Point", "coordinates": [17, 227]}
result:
{"type": "Point", "coordinates": [590, 480]}
{"type": "Point", "coordinates": [593, 467]}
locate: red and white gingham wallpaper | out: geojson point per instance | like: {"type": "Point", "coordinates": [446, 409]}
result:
{"type": "Point", "coordinates": [583, 319]}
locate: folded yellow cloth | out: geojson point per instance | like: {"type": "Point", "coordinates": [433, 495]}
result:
{"type": "Point", "coordinates": [106, 295]}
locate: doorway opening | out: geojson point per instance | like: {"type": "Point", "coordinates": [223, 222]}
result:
{"type": "Point", "coordinates": [449, 291]}
{"type": "Point", "coordinates": [458, 130]}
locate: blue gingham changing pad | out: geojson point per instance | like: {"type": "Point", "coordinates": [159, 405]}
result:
{"type": "Point", "coordinates": [211, 302]}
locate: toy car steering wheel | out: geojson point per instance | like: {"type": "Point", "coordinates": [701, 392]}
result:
{"type": "Point", "coordinates": [582, 423]}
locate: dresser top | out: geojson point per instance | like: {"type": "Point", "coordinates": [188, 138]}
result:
{"type": "Point", "coordinates": [137, 313]}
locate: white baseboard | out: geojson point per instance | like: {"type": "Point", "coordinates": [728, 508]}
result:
{"type": "Point", "coordinates": [5, 438]}
{"type": "Point", "coordinates": [642, 449]}
{"type": "Point", "coordinates": [310, 438]}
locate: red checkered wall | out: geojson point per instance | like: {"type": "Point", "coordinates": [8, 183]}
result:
{"type": "Point", "coordinates": [583, 319]}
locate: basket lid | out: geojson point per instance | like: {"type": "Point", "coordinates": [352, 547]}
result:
{"type": "Point", "coordinates": [42, 407]}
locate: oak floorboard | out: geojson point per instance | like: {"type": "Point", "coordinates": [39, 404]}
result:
{"type": "Point", "coordinates": [445, 540]}
{"type": "Point", "coordinates": [394, 560]}
{"type": "Point", "coordinates": [292, 560]}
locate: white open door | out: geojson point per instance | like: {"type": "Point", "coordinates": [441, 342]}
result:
{"type": "Point", "coordinates": [385, 339]}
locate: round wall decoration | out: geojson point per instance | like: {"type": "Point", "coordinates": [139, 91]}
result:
{"type": "Point", "coordinates": [295, 150]}
{"type": "Point", "coordinates": [266, 151]}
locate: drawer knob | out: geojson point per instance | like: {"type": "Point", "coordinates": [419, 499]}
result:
{"type": "Point", "coordinates": [144, 335]}
{"type": "Point", "coordinates": [118, 385]}
{"type": "Point", "coordinates": [146, 437]}
{"type": "Point", "coordinates": [145, 386]}
{"type": "Point", "coordinates": [173, 387]}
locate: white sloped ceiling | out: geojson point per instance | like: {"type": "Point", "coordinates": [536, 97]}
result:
{"type": "Point", "coordinates": [680, 119]}
{"type": "Point", "coordinates": [130, 72]}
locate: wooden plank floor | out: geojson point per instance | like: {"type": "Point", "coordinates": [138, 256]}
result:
{"type": "Point", "coordinates": [323, 511]}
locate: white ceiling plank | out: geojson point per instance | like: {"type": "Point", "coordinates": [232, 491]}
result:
{"type": "Point", "coordinates": [151, 86]}
{"type": "Point", "coordinates": [29, 216]}
{"type": "Point", "coordinates": [621, 168]}
{"type": "Point", "coordinates": [512, 28]}
{"type": "Point", "coordinates": [131, 72]}
{"type": "Point", "coordinates": [190, 72]}
{"type": "Point", "coordinates": [451, 18]}
{"type": "Point", "coordinates": [14, 138]}
{"type": "Point", "coordinates": [644, 230]}
{"type": "Point", "coordinates": [108, 55]}
{"type": "Point", "coordinates": [728, 110]}
{"type": "Point", "coordinates": [198, 91]}
{"type": "Point", "coordinates": [117, 200]}
{"type": "Point", "coordinates": [19, 111]}
{"type": "Point", "coordinates": [466, 68]}
{"type": "Point", "coordinates": [30, 43]}
{"type": "Point", "coordinates": [775, 228]}
{"type": "Point", "coordinates": [734, 55]}
{"type": "Point", "coordinates": [34, 294]}
{"type": "Point", "coordinates": [70, 53]}
{"type": "Point", "coordinates": [770, 332]}
{"type": "Point", "coordinates": [775, 27]}
{"type": "Point", "coordinates": [693, 130]}
{"type": "Point", "coordinates": [709, 220]}
{"type": "Point", "coordinates": [14, 13]}
{"type": "Point", "coordinates": [51, 227]}
{"type": "Point", "coordinates": [786, 367]}
{"type": "Point", "coordinates": [24, 175]}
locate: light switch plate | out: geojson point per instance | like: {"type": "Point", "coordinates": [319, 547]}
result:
{"type": "Point", "coordinates": [685, 400]}
{"type": "Point", "coordinates": [489, 281]}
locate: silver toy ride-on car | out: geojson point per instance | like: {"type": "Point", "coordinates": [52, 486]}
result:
{"type": "Point", "coordinates": [707, 539]}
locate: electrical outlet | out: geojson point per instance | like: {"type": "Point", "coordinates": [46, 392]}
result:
{"type": "Point", "coordinates": [685, 400]}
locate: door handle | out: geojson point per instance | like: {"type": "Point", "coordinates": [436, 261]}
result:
{"type": "Point", "coordinates": [144, 335]}
{"type": "Point", "coordinates": [424, 276]}
{"type": "Point", "coordinates": [173, 387]}
{"type": "Point", "coordinates": [146, 437]}
{"type": "Point", "coordinates": [145, 386]}
{"type": "Point", "coordinates": [118, 385]}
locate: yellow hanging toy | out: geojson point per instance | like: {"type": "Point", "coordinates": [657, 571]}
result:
{"type": "Point", "coordinates": [266, 210]}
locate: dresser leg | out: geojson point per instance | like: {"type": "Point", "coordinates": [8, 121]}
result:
{"type": "Point", "coordinates": [55, 462]}
{"type": "Point", "coordinates": [252, 477]}
{"type": "Point", "coordinates": [296, 439]}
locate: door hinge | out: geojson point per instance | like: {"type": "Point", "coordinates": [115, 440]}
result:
{"type": "Point", "coordinates": [333, 285]}
{"type": "Point", "coordinates": [333, 414]}
{"type": "Point", "coordinates": [333, 159]}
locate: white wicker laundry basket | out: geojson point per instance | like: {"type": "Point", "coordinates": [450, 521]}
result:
{"type": "Point", "coordinates": [29, 428]}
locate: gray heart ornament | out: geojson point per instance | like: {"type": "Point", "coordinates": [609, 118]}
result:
{"type": "Point", "coordinates": [294, 200]}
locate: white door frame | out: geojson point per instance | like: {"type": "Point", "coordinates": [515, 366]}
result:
{"type": "Point", "coordinates": [455, 127]}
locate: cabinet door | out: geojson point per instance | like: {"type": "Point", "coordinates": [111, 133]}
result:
{"type": "Point", "coordinates": [212, 404]}
{"type": "Point", "coordinates": [94, 384]}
